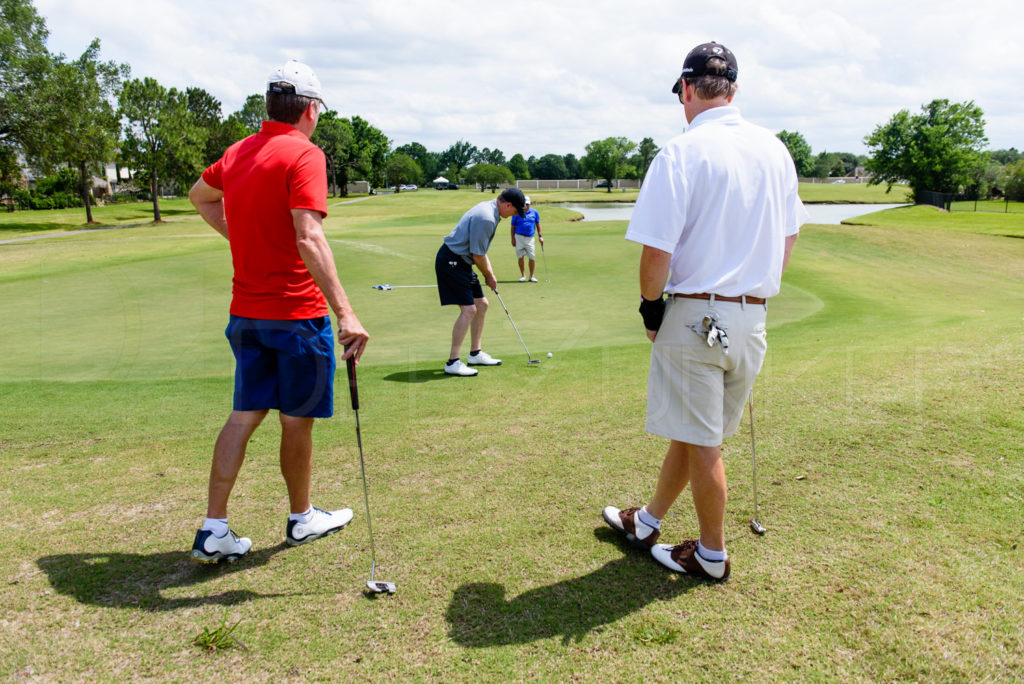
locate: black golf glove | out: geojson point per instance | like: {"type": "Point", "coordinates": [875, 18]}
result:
{"type": "Point", "coordinates": [652, 310]}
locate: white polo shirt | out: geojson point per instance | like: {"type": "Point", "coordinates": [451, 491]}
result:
{"type": "Point", "coordinates": [721, 198]}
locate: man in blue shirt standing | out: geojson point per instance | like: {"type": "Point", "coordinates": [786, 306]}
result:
{"type": "Point", "coordinates": [522, 239]}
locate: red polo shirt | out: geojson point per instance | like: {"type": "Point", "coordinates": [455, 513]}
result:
{"type": "Point", "coordinates": [263, 178]}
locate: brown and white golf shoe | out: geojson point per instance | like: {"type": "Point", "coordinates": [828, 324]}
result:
{"type": "Point", "coordinates": [684, 558]}
{"type": "Point", "coordinates": [627, 522]}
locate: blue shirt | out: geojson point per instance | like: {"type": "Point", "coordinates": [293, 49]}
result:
{"type": "Point", "coordinates": [474, 231]}
{"type": "Point", "coordinates": [526, 225]}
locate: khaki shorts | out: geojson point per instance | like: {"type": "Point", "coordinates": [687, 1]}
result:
{"type": "Point", "coordinates": [524, 247]}
{"type": "Point", "coordinates": [696, 393]}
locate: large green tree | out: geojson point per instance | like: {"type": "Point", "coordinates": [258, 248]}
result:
{"type": "Point", "coordinates": [252, 114]}
{"type": "Point", "coordinates": [160, 132]}
{"type": "Point", "coordinates": [799, 150]}
{"type": "Point", "coordinates": [939, 149]}
{"type": "Point", "coordinates": [517, 165]}
{"type": "Point", "coordinates": [550, 167]}
{"type": "Point", "coordinates": [458, 157]}
{"type": "Point", "coordinates": [606, 158]}
{"type": "Point", "coordinates": [403, 169]}
{"type": "Point", "coordinates": [82, 124]}
{"type": "Point", "coordinates": [489, 175]}
{"type": "Point", "coordinates": [647, 150]}
{"type": "Point", "coordinates": [370, 148]}
{"type": "Point", "coordinates": [335, 137]}
{"type": "Point", "coordinates": [430, 162]}
{"type": "Point", "coordinates": [24, 65]}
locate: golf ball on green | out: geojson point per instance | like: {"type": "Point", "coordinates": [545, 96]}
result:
{"type": "Point", "coordinates": [549, 355]}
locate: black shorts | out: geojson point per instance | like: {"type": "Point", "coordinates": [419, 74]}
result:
{"type": "Point", "coordinates": [456, 281]}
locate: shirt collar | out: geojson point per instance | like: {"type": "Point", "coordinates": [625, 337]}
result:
{"type": "Point", "coordinates": [278, 128]}
{"type": "Point", "coordinates": [724, 113]}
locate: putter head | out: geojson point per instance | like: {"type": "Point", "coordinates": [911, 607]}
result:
{"type": "Point", "coordinates": [533, 361]}
{"type": "Point", "coordinates": [756, 527]}
{"type": "Point", "coordinates": [379, 587]}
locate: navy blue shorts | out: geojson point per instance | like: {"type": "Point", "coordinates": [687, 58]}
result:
{"type": "Point", "coordinates": [456, 281]}
{"type": "Point", "coordinates": [284, 365]}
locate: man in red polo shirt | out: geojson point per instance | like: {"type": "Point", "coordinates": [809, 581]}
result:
{"type": "Point", "coordinates": [268, 195]}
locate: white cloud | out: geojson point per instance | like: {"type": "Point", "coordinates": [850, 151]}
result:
{"type": "Point", "coordinates": [535, 77]}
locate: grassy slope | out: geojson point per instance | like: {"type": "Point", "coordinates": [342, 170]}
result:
{"type": "Point", "coordinates": [888, 446]}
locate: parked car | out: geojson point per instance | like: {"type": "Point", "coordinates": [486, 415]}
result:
{"type": "Point", "coordinates": [410, 187]}
{"type": "Point", "coordinates": [602, 184]}
{"type": "Point", "coordinates": [446, 186]}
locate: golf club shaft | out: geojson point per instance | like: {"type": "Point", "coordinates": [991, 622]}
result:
{"type": "Point", "coordinates": [354, 393]}
{"type": "Point", "coordinates": [547, 276]}
{"type": "Point", "coordinates": [530, 358]}
{"type": "Point", "coordinates": [753, 456]}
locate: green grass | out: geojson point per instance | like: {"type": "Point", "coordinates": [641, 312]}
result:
{"type": "Point", "coordinates": [889, 465]}
{"type": "Point", "coordinates": [852, 193]}
{"type": "Point", "coordinates": [29, 223]}
{"type": "Point", "coordinates": [927, 217]}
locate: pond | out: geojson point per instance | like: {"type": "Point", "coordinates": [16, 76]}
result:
{"type": "Point", "coordinates": [830, 214]}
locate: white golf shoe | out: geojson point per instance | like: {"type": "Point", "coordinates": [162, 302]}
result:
{"type": "Point", "coordinates": [482, 358]}
{"type": "Point", "coordinates": [210, 549]}
{"type": "Point", "coordinates": [523, 279]}
{"type": "Point", "coordinates": [321, 523]}
{"type": "Point", "coordinates": [456, 367]}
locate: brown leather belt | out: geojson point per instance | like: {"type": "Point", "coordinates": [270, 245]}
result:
{"type": "Point", "coordinates": [720, 298]}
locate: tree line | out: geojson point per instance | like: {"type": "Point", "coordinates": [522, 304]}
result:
{"type": "Point", "coordinates": [66, 118]}
{"type": "Point", "coordinates": [941, 149]}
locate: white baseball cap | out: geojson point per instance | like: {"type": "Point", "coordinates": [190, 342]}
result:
{"type": "Point", "coordinates": [527, 199]}
{"type": "Point", "coordinates": [299, 76]}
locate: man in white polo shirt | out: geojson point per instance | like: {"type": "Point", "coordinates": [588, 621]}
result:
{"type": "Point", "coordinates": [717, 215]}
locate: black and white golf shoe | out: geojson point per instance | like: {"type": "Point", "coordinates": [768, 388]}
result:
{"type": "Point", "coordinates": [321, 524]}
{"type": "Point", "coordinates": [210, 549]}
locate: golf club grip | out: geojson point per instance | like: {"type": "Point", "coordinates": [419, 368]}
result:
{"type": "Point", "coordinates": [350, 364]}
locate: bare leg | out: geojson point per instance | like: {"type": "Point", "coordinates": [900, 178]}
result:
{"type": "Point", "coordinates": [522, 271]}
{"type": "Point", "coordinates": [533, 264]}
{"type": "Point", "coordinates": [477, 333]}
{"type": "Point", "coordinates": [297, 460]}
{"type": "Point", "coordinates": [228, 455]}
{"type": "Point", "coordinates": [702, 468]}
{"type": "Point", "coordinates": [462, 325]}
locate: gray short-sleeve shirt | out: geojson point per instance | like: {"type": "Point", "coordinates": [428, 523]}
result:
{"type": "Point", "coordinates": [474, 231]}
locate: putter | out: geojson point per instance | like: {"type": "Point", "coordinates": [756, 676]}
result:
{"type": "Point", "coordinates": [755, 526]}
{"type": "Point", "coordinates": [530, 359]}
{"type": "Point", "coordinates": [547, 276]}
{"type": "Point", "coordinates": [374, 585]}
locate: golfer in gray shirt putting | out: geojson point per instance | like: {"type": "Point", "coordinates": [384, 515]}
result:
{"type": "Point", "coordinates": [457, 284]}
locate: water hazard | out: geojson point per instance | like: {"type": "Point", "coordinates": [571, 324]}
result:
{"type": "Point", "coordinates": [829, 214]}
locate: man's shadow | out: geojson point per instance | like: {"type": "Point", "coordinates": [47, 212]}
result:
{"type": "Point", "coordinates": [417, 376]}
{"type": "Point", "coordinates": [480, 615]}
{"type": "Point", "coordinates": [130, 580]}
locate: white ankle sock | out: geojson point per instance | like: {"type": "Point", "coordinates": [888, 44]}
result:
{"type": "Point", "coordinates": [709, 555]}
{"type": "Point", "coordinates": [648, 519]}
{"type": "Point", "coordinates": [301, 517]}
{"type": "Point", "coordinates": [219, 526]}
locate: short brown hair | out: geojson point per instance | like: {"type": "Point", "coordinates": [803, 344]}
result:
{"type": "Point", "coordinates": [714, 83]}
{"type": "Point", "coordinates": [286, 107]}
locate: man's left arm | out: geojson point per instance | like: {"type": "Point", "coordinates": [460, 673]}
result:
{"type": "Point", "coordinates": [790, 241]}
{"type": "Point", "coordinates": [319, 260]}
{"type": "Point", "coordinates": [539, 236]}
{"type": "Point", "coordinates": [209, 202]}
{"type": "Point", "coordinates": [654, 266]}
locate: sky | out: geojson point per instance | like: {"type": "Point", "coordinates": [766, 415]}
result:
{"type": "Point", "coordinates": [547, 76]}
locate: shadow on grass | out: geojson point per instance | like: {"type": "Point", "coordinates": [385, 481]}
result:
{"type": "Point", "coordinates": [479, 615]}
{"type": "Point", "coordinates": [130, 580]}
{"type": "Point", "coordinates": [417, 376]}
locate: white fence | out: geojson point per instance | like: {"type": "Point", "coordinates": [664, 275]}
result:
{"type": "Point", "coordinates": [574, 184]}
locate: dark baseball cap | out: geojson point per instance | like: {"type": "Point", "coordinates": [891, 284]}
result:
{"type": "Point", "coordinates": [516, 198]}
{"type": "Point", "coordinates": [696, 62]}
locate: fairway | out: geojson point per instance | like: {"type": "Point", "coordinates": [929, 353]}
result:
{"type": "Point", "coordinates": [891, 475]}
